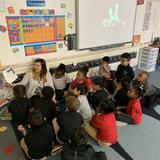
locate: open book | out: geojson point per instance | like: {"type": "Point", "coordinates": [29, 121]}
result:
{"type": "Point", "coordinates": [9, 75]}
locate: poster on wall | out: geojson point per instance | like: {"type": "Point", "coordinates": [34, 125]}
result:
{"type": "Point", "coordinates": [14, 30]}
{"type": "Point", "coordinates": [35, 3]}
{"type": "Point", "coordinates": [147, 16]}
{"type": "Point", "coordinates": [35, 29]}
{"type": "Point", "coordinates": [2, 6]}
{"type": "Point", "coordinates": [136, 40]}
{"type": "Point", "coordinates": [40, 49]}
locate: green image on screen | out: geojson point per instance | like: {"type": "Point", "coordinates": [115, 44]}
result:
{"type": "Point", "coordinates": [113, 17]}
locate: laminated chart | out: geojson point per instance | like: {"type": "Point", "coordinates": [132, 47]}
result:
{"type": "Point", "coordinates": [40, 48]}
{"type": "Point", "coordinates": [24, 30]}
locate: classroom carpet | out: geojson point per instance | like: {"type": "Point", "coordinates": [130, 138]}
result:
{"type": "Point", "coordinates": [141, 142]}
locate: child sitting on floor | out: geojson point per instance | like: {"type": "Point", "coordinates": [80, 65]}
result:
{"type": "Point", "coordinates": [121, 98]}
{"type": "Point", "coordinates": [104, 69]}
{"type": "Point", "coordinates": [84, 109]}
{"type": "Point", "coordinates": [60, 78]}
{"type": "Point", "coordinates": [82, 78]}
{"type": "Point", "coordinates": [124, 69]}
{"type": "Point", "coordinates": [69, 119]}
{"type": "Point", "coordinates": [133, 113]}
{"type": "Point", "coordinates": [149, 91]}
{"type": "Point", "coordinates": [98, 92]}
{"type": "Point", "coordinates": [45, 104]}
{"type": "Point", "coordinates": [38, 142]}
{"type": "Point", "coordinates": [19, 108]}
{"type": "Point", "coordinates": [109, 82]}
{"type": "Point", "coordinates": [102, 126]}
{"type": "Point", "coordinates": [78, 149]}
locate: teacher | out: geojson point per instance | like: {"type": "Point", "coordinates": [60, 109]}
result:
{"type": "Point", "coordinates": [36, 79]}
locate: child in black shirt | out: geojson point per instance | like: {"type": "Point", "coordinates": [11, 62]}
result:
{"type": "Point", "coordinates": [45, 104]}
{"type": "Point", "coordinates": [78, 149]}
{"type": "Point", "coordinates": [98, 92]}
{"type": "Point", "coordinates": [109, 83]}
{"type": "Point", "coordinates": [19, 108]}
{"type": "Point", "coordinates": [121, 98]}
{"type": "Point", "coordinates": [38, 142]}
{"type": "Point", "coordinates": [69, 119]}
{"type": "Point", "coordinates": [124, 69]}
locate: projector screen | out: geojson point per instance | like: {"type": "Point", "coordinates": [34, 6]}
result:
{"type": "Point", "coordinates": [104, 22]}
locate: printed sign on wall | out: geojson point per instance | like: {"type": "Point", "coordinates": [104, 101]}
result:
{"type": "Point", "coordinates": [35, 29]}
{"type": "Point", "coordinates": [35, 3]}
{"type": "Point", "coordinates": [40, 48]}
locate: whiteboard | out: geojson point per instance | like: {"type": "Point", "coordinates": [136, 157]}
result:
{"type": "Point", "coordinates": [105, 22]}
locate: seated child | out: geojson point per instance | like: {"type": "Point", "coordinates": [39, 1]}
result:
{"type": "Point", "coordinates": [121, 98]}
{"type": "Point", "coordinates": [149, 91]}
{"type": "Point", "coordinates": [109, 83]}
{"type": "Point", "coordinates": [133, 110]}
{"type": "Point", "coordinates": [84, 109]}
{"type": "Point", "coordinates": [60, 78]}
{"type": "Point", "coordinates": [77, 147]}
{"type": "Point", "coordinates": [19, 108]}
{"type": "Point", "coordinates": [124, 69]}
{"type": "Point", "coordinates": [102, 127]}
{"type": "Point", "coordinates": [45, 104]}
{"type": "Point", "coordinates": [69, 119]}
{"type": "Point", "coordinates": [38, 142]}
{"type": "Point", "coordinates": [104, 68]}
{"type": "Point", "coordinates": [82, 78]}
{"type": "Point", "coordinates": [60, 101]}
{"type": "Point", "coordinates": [98, 92]}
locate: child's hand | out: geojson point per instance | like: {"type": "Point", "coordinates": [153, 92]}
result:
{"type": "Point", "coordinates": [9, 85]}
{"type": "Point", "coordinates": [54, 100]}
{"type": "Point", "coordinates": [118, 112]}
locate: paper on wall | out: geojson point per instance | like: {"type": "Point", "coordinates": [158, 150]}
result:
{"type": "Point", "coordinates": [9, 75]}
{"type": "Point", "coordinates": [2, 6]}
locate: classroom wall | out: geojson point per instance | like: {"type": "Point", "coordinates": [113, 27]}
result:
{"type": "Point", "coordinates": [69, 57]}
{"type": "Point", "coordinates": [7, 57]}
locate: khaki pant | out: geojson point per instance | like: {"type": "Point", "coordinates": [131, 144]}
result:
{"type": "Point", "coordinates": [56, 129]}
{"type": "Point", "coordinates": [92, 132]}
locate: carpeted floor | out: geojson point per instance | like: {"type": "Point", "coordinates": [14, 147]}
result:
{"type": "Point", "coordinates": [140, 142]}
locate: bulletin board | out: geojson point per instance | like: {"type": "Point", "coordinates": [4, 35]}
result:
{"type": "Point", "coordinates": [32, 29]}
{"type": "Point", "coordinates": [35, 29]}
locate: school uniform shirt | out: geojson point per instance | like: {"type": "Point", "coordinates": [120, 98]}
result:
{"type": "Point", "coordinates": [84, 109]}
{"type": "Point", "coordinates": [85, 152]}
{"type": "Point", "coordinates": [121, 98]}
{"type": "Point", "coordinates": [124, 71]}
{"type": "Point", "coordinates": [33, 86]}
{"type": "Point", "coordinates": [19, 111]}
{"type": "Point", "coordinates": [67, 121]}
{"type": "Point", "coordinates": [109, 85]}
{"type": "Point", "coordinates": [106, 127]}
{"type": "Point", "coordinates": [87, 83]}
{"type": "Point", "coordinates": [46, 107]}
{"type": "Point", "coordinates": [39, 142]}
{"type": "Point", "coordinates": [60, 83]}
{"type": "Point", "coordinates": [134, 110]}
